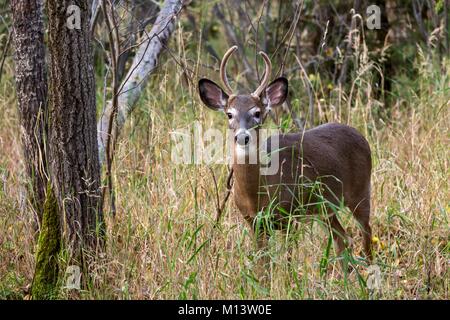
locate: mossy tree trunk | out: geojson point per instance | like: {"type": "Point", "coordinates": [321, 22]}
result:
{"type": "Point", "coordinates": [31, 88]}
{"type": "Point", "coordinates": [73, 218]}
{"type": "Point", "coordinates": [49, 245]}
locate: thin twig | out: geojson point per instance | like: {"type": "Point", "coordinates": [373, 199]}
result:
{"type": "Point", "coordinates": [291, 33]}
{"type": "Point", "coordinates": [115, 48]}
{"type": "Point", "coordinates": [221, 206]}
{"type": "Point", "coordinates": [5, 51]}
{"type": "Point", "coordinates": [309, 90]}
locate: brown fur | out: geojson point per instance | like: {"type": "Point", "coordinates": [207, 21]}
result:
{"type": "Point", "coordinates": [337, 155]}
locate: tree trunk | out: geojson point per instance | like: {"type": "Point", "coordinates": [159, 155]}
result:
{"type": "Point", "coordinates": [31, 88]}
{"type": "Point", "coordinates": [73, 150]}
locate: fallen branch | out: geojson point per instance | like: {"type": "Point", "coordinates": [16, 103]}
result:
{"type": "Point", "coordinates": [143, 65]}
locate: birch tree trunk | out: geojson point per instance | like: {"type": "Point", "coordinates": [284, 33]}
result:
{"type": "Point", "coordinates": [145, 61]}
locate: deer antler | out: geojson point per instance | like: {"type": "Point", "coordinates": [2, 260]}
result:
{"type": "Point", "coordinates": [266, 78]}
{"type": "Point", "coordinates": [223, 70]}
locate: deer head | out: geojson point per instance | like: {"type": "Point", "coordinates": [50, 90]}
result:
{"type": "Point", "coordinates": [245, 112]}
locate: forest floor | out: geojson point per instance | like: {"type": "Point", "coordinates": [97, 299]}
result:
{"type": "Point", "coordinates": [162, 244]}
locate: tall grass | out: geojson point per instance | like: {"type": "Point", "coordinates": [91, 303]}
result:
{"type": "Point", "coordinates": [162, 244]}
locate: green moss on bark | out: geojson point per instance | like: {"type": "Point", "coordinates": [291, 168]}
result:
{"type": "Point", "coordinates": [49, 244]}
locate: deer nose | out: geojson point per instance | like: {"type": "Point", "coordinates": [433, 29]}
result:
{"type": "Point", "coordinates": [242, 138]}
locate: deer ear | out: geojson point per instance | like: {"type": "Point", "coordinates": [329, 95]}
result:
{"type": "Point", "coordinates": [276, 92]}
{"type": "Point", "coordinates": [212, 95]}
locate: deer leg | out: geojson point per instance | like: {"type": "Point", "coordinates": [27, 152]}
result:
{"type": "Point", "coordinates": [341, 240]}
{"type": "Point", "coordinates": [260, 236]}
{"type": "Point", "coordinates": [339, 235]}
{"type": "Point", "coordinates": [290, 243]}
{"type": "Point", "coordinates": [263, 260]}
{"type": "Point", "coordinates": [261, 241]}
{"type": "Point", "coordinates": [362, 215]}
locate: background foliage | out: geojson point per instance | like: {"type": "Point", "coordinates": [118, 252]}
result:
{"type": "Point", "coordinates": [391, 84]}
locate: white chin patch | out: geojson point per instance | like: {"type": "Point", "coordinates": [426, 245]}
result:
{"type": "Point", "coordinates": [241, 151]}
{"type": "Point", "coordinates": [245, 154]}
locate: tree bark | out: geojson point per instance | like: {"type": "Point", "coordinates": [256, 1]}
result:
{"type": "Point", "coordinates": [31, 89]}
{"type": "Point", "coordinates": [144, 63]}
{"type": "Point", "coordinates": [74, 164]}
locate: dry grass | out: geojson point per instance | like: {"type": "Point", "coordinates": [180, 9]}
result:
{"type": "Point", "coordinates": [162, 243]}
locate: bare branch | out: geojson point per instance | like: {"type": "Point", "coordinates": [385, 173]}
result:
{"type": "Point", "coordinates": [234, 39]}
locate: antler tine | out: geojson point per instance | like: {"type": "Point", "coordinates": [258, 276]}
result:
{"type": "Point", "coordinates": [266, 78]}
{"type": "Point", "coordinates": [223, 70]}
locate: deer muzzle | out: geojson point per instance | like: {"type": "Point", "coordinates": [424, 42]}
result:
{"type": "Point", "coordinates": [242, 137]}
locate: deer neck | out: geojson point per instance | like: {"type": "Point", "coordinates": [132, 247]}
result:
{"type": "Point", "coordinates": [246, 185]}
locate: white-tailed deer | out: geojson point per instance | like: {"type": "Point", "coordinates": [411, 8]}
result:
{"type": "Point", "coordinates": [336, 155]}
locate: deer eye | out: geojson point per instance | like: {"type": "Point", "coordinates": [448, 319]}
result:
{"type": "Point", "coordinates": [229, 115]}
{"type": "Point", "coordinates": [257, 114]}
